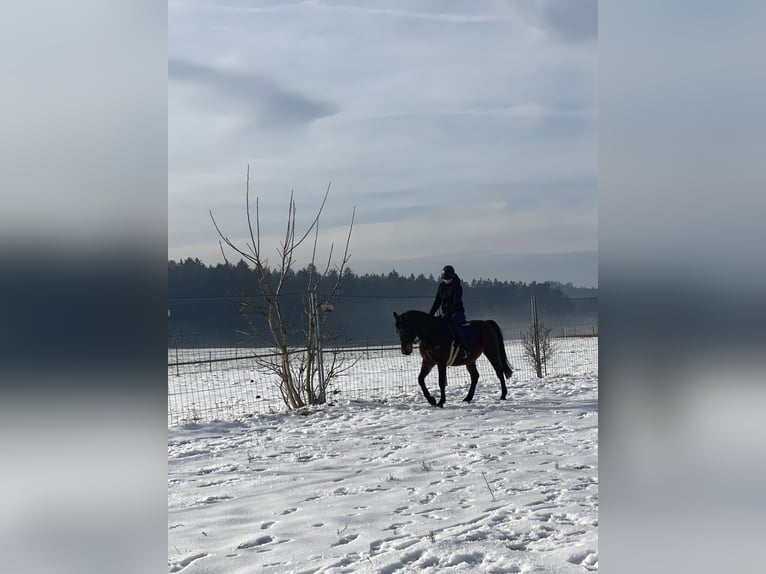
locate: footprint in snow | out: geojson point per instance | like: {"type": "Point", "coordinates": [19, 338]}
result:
{"type": "Point", "coordinates": [406, 544]}
{"type": "Point", "coordinates": [177, 565]}
{"type": "Point", "coordinates": [346, 539]}
{"type": "Point", "coordinates": [587, 559]}
{"type": "Point", "coordinates": [428, 498]}
{"type": "Point", "coordinates": [260, 541]}
{"type": "Point", "coordinates": [214, 499]}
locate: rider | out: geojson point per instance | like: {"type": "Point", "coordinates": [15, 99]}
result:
{"type": "Point", "coordinates": [450, 297]}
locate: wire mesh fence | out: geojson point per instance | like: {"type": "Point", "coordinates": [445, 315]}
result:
{"type": "Point", "coordinates": [229, 384]}
{"type": "Point", "coordinates": [207, 384]}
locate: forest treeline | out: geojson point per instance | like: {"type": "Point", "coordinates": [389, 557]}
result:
{"type": "Point", "coordinates": [205, 303]}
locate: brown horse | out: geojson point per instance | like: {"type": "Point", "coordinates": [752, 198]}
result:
{"type": "Point", "coordinates": [436, 350]}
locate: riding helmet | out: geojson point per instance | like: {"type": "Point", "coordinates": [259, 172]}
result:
{"type": "Point", "coordinates": [448, 272]}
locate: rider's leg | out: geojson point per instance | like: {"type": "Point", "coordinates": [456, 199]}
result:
{"type": "Point", "coordinates": [457, 332]}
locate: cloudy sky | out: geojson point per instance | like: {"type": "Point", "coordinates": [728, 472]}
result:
{"type": "Point", "coordinates": [462, 132]}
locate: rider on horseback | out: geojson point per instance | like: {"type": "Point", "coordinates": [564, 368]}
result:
{"type": "Point", "coordinates": [450, 297]}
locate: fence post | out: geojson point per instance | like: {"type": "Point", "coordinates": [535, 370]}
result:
{"type": "Point", "coordinates": [320, 358]}
{"type": "Point", "coordinates": [536, 329]}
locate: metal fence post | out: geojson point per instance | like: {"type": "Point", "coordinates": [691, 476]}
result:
{"type": "Point", "coordinates": [536, 328]}
{"type": "Point", "coordinates": [320, 357]}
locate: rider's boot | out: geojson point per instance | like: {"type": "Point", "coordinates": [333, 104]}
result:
{"type": "Point", "coordinates": [460, 336]}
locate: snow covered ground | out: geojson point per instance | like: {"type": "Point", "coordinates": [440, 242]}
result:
{"type": "Point", "coordinates": [394, 486]}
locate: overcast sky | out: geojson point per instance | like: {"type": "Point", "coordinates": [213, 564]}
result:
{"type": "Point", "coordinates": [464, 133]}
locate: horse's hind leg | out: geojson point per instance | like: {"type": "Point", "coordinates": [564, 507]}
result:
{"type": "Point", "coordinates": [503, 388]}
{"type": "Point", "coordinates": [474, 372]}
{"type": "Point", "coordinates": [424, 370]}
{"type": "Point", "coordinates": [498, 366]}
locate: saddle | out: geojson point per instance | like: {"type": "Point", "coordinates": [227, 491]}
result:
{"type": "Point", "coordinates": [471, 336]}
{"type": "Point", "coordinates": [469, 331]}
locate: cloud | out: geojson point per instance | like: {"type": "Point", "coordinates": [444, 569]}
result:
{"type": "Point", "coordinates": [268, 104]}
{"type": "Point", "coordinates": [427, 116]}
{"type": "Point", "coordinates": [572, 20]}
{"type": "Point", "coordinates": [438, 14]}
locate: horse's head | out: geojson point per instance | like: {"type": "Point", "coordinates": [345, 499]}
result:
{"type": "Point", "coordinates": [406, 331]}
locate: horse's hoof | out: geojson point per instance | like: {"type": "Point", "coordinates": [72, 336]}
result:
{"type": "Point", "coordinates": [440, 405]}
{"type": "Point", "coordinates": [467, 400]}
{"type": "Point", "coordinates": [432, 401]}
{"type": "Point", "coordinates": [502, 398]}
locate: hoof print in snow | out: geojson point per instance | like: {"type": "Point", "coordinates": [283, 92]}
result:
{"type": "Point", "coordinates": [587, 559]}
{"type": "Point", "coordinates": [346, 539]}
{"type": "Point", "coordinates": [260, 541]}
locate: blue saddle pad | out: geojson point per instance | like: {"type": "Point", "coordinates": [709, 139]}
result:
{"type": "Point", "coordinates": [471, 333]}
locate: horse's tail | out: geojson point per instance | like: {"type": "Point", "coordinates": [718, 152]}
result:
{"type": "Point", "coordinates": [505, 365]}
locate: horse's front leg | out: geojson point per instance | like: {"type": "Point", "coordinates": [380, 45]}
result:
{"type": "Point", "coordinates": [442, 384]}
{"type": "Point", "coordinates": [424, 370]}
{"type": "Point", "coordinates": [474, 372]}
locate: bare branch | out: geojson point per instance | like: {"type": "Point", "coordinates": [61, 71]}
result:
{"type": "Point", "coordinates": [254, 245]}
{"type": "Point", "coordinates": [316, 219]}
{"type": "Point", "coordinates": [228, 241]}
{"type": "Point", "coordinates": [344, 261]}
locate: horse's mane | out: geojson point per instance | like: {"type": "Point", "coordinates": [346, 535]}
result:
{"type": "Point", "coordinates": [416, 314]}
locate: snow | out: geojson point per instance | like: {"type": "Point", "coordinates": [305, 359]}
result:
{"type": "Point", "coordinates": [394, 485]}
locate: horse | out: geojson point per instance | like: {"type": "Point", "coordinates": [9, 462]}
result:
{"type": "Point", "coordinates": [436, 350]}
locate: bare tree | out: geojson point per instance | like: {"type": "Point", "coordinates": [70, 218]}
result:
{"type": "Point", "coordinates": [296, 370]}
{"type": "Point", "coordinates": [538, 346]}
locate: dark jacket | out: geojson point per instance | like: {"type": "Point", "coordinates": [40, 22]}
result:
{"type": "Point", "coordinates": [449, 297]}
